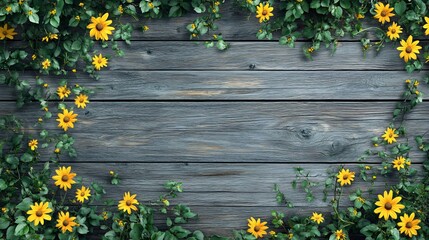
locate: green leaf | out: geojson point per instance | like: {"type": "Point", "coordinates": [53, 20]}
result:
{"type": "Point", "coordinates": [26, 157]}
{"type": "Point", "coordinates": [395, 233]}
{"type": "Point", "coordinates": [21, 229]}
{"type": "Point", "coordinates": [24, 205]}
{"type": "Point", "coordinates": [400, 7]}
{"type": "Point", "coordinates": [34, 18]}
{"type": "Point", "coordinates": [198, 235]}
{"type": "Point", "coordinates": [3, 184]}
{"type": "Point", "coordinates": [4, 223]}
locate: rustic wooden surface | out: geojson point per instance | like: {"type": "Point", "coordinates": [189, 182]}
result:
{"type": "Point", "coordinates": [230, 124]}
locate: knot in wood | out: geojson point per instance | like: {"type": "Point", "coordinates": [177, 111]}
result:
{"type": "Point", "coordinates": [252, 66]}
{"type": "Point", "coordinates": [306, 133]}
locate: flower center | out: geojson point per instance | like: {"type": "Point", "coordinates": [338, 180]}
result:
{"type": "Point", "coordinates": [264, 12]}
{"type": "Point", "coordinates": [388, 206]}
{"type": "Point", "coordinates": [65, 223]}
{"type": "Point", "coordinates": [128, 202]}
{"type": "Point", "coordinates": [4, 32]}
{"type": "Point", "coordinates": [66, 119]}
{"type": "Point", "coordinates": [256, 228]}
{"type": "Point", "coordinates": [409, 225]}
{"type": "Point", "coordinates": [393, 31]}
{"type": "Point", "coordinates": [39, 213]}
{"type": "Point", "coordinates": [82, 194]}
{"type": "Point", "coordinates": [65, 178]}
{"type": "Point", "coordinates": [383, 13]}
{"type": "Point", "coordinates": [345, 177]}
{"type": "Point", "coordinates": [100, 60]}
{"type": "Point", "coordinates": [409, 49]}
{"type": "Point", "coordinates": [99, 26]}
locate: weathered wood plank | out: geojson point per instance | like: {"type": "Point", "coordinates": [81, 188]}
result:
{"type": "Point", "coordinates": [224, 195]}
{"type": "Point", "coordinates": [162, 55]}
{"type": "Point", "coordinates": [229, 131]}
{"type": "Point", "coordinates": [237, 85]}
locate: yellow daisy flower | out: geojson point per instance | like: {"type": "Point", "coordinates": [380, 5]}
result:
{"type": "Point", "coordinates": [317, 218]}
{"type": "Point", "coordinates": [388, 206]}
{"type": "Point", "coordinates": [399, 163]}
{"type": "Point", "coordinates": [345, 177]}
{"type": "Point", "coordinates": [64, 178]}
{"type": "Point", "coordinates": [66, 119]}
{"type": "Point", "coordinates": [393, 31]}
{"type": "Point", "coordinates": [100, 27]}
{"type": "Point", "coordinates": [409, 49]}
{"type": "Point", "coordinates": [264, 12]}
{"type": "Point", "coordinates": [46, 64]}
{"type": "Point", "coordinates": [390, 135]}
{"type": "Point", "coordinates": [33, 144]}
{"type": "Point", "coordinates": [83, 194]}
{"type": "Point", "coordinates": [340, 235]}
{"type": "Point", "coordinates": [81, 101]}
{"type": "Point", "coordinates": [39, 213]}
{"type": "Point", "coordinates": [63, 92]}
{"type": "Point", "coordinates": [65, 222]}
{"type": "Point", "coordinates": [383, 12]}
{"type": "Point", "coordinates": [409, 225]}
{"type": "Point", "coordinates": [8, 9]}
{"type": "Point", "coordinates": [426, 26]}
{"type": "Point", "coordinates": [99, 61]}
{"type": "Point", "coordinates": [127, 204]}
{"type": "Point", "coordinates": [7, 33]}
{"type": "Point", "coordinates": [256, 227]}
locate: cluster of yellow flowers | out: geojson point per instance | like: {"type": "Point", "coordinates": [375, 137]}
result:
{"type": "Point", "coordinates": [409, 48]}
{"type": "Point", "coordinates": [388, 207]}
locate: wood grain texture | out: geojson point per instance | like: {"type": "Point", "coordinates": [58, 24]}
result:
{"type": "Point", "coordinates": [163, 55]}
{"type": "Point", "coordinates": [236, 85]}
{"type": "Point", "coordinates": [225, 195]}
{"type": "Point", "coordinates": [229, 131]}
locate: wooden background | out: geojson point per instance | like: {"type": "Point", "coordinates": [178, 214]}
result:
{"type": "Point", "coordinates": [230, 124]}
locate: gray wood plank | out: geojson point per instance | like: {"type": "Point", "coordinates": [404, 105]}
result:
{"type": "Point", "coordinates": [229, 131]}
{"type": "Point", "coordinates": [236, 85]}
{"type": "Point", "coordinates": [225, 195]}
{"type": "Point", "coordinates": [160, 55]}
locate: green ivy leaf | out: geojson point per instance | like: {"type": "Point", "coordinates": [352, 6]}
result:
{"type": "Point", "coordinates": [400, 7]}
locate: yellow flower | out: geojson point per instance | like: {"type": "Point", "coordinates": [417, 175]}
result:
{"type": "Point", "coordinates": [256, 227]}
{"type": "Point", "coordinates": [388, 206]}
{"type": "Point", "coordinates": [250, 1]}
{"type": "Point", "coordinates": [361, 199]}
{"type": "Point", "coordinates": [53, 36]}
{"type": "Point", "coordinates": [317, 218]}
{"type": "Point", "coordinates": [345, 177]}
{"type": "Point", "coordinates": [53, 11]}
{"type": "Point", "coordinates": [100, 27]}
{"type": "Point", "coordinates": [409, 49]}
{"type": "Point", "coordinates": [416, 83]}
{"type": "Point", "coordinates": [390, 135]}
{"type": "Point", "coordinates": [105, 216]}
{"type": "Point", "coordinates": [409, 225]}
{"type": "Point", "coordinates": [63, 92]}
{"type": "Point", "coordinates": [145, 28]}
{"type": "Point", "coordinates": [339, 235]}
{"type": "Point", "coordinates": [33, 57]}
{"type": "Point", "coordinates": [360, 16]}
{"type": "Point", "coordinates": [40, 120]}
{"type": "Point", "coordinates": [7, 33]}
{"type": "Point", "coordinates": [99, 61]}
{"type": "Point", "coordinates": [374, 177]}
{"type": "Point", "coordinates": [39, 213]}
{"type": "Point", "coordinates": [408, 81]}
{"type": "Point", "coordinates": [77, 18]}
{"type": "Point", "coordinates": [127, 204]}
{"type": "Point", "coordinates": [29, 13]}
{"type": "Point", "coordinates": [4, 210]}
{"type": "Point", "coordinates": [65, 222]}
{"type": "Point", "coordinates": [151, 5]}
{"type": "Point", "coordinates": [46, 64]}
{"type": "Point", "coordinates": [81, 101]}
{"type": "Point", "coordinates": [45, 39]}
{"type": "Point", "coordinates": [45, 85]}
{"type": "Point", "coordinates": [33, 144]}
{"type": "Point", "coordinates": [83, 194]}
{"type": "Point", "coordinates": [264, 12]}
{"type": "Point", "coordinates": [393, 31]}
{"type": "Point", "coordinates": [66, 119]}
{"type": "Point", "coordinates": [399, 162]}
{"type": "Point", "coordinates": [368, 167]}
{"type": "Point", "coordinates": [272, 233]}
{"type": "Point", "coordinates": [8, 9]}
{"type": "Point", "coordinates": [112, 173]}
{"type": "Point", "coordinates": [120, 9]}
{"type": "Point", "coordinates": [57, 150]}
{"type": "Point", "coordinates": [121, 223]}
{"type": "Point", "coordinates": [426, 26]}
{"type": "Point", "coordinates": [81, 4]}
{"type": "Point", "coordinates": [64, 178]}
{"type": "Point", "coordinates": [383, 12]}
